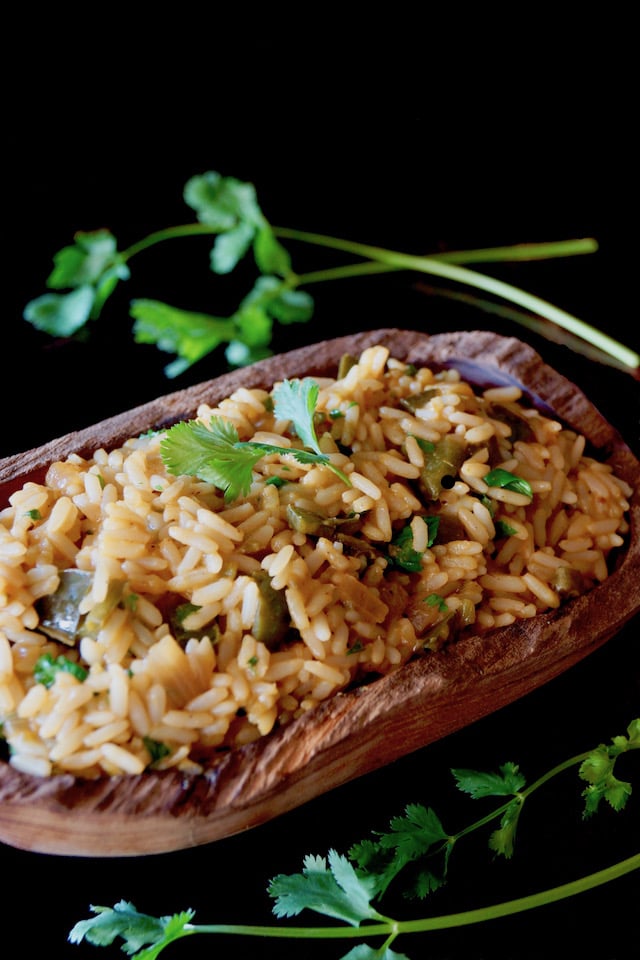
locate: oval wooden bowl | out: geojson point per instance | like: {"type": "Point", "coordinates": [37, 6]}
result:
{"type": "Point", "coordinates": [355, 732]}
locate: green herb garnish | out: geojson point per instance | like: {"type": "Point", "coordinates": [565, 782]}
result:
{"type": "Point", "coordinates": [402, 553]}
{"type": "Point", "coordinates": [156, 749]}
{"type": "Point", "coordinates": [425, 445]}
{"type": "Point", "coordinates": [416, 848]}
{"type": "Point", "coordinates": [504, 529]}
{"type": "Point", "coordinates": [86, 274]}
{"type": "Point", "coordinates": [215, 454]}
{"type": "Point", "coordinates": [185, 610]}
{"type": "Point", "coordinates": [48, 667]}
{"type": "Point", "coordinates": [275, 482]}
{"type": "Point", "coordinates": [435, 600]}
{"type": "Point", "coordinates": [508, 481]}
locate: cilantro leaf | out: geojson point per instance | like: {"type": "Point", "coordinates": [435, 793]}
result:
{"type": "Point", "coordinates": [254, 321]}
{"type": "Point", "coordinates": [157, 750]}
{"type": "Point", "coordinates": [296, 400]}
{"type": "Point", "coordinates": [222, 202]}
{"type": "Point", "coordinates": [478, 784]}
{"type": "Point", "coordinates": [598, 770]}
{"type": "Point", "coordinates": [239, 353]}
{"type": "Point", "coordinates": [504, 529]}
{"type": "Point", "coordinates": [336, 891]}
{"type": "Point", "coordinates": [508, 782]}
{"type": "Point", "coordinates": [86, 262]}
{"type": "Point", "coordinates": [633, 741]}
{"type": "Point", "coordinates": [271, 299]}
{"type": "Point", "coordinates": [136, 929]}
{"type": "Point", "coordinates": [615, 792]}
{"type": "Point", "coordinates": [47, 668]}
{"type": "Point", "coordinates": [427, 446]}
{"type": "Point", "coordinates": [216, 455]}
{"type": "Point", "coordinates": [401, 550]}
{"type": "Point", "coordinates": [230, 207]}
{"type": "Point", "coordinates": [211, 453]}
{"type": "Point", "coordinates": [90, 269]}
{"type": "Point", "coordinates": [279, 301]}
{"type": "Point", "coordinates": [365, 952]}
{"type": "Point", "coordinates": [61, 315]}
{"type": "Point", "coordinates": [435, 600]}
{"type": "Point", "coordinates": [271, 256]}
{"type": "Point", "coordinates": [402, 553]}
{"type": "Point", "coordinates": [502, 841]}
{"type": "Point", "coordinates": [433, 524]}
{"type": "Point", "coordinates": [508, 481]}
{"type": "Point", "coordinates": [410, 838]}
{"type": "Point", "coordinates": [189, 335]}
{"type": "Point", "coordinates": [230, 247]}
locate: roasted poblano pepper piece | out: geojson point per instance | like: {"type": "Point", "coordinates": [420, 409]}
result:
{"type": "Point", "coordinates": [272, 621]}
{"type": "Point", "coordinates": [520, 426]}
{"type": "Point", "coordinates": [60, 616]}
{"type": "Point", "coordinates": [98, 615]}
{"type": "Point", "coordinates": [346, 362]}
{"type": "Point", "coordinates": [316, 524]}
{"type": "Point", "coordinates": [450, 626]}
{"type": "Point", "coordinates": [443, 462]}
{"type": "Point", "coordinates": [417, 400]}
{"type": "Point", "coordinates": [568, 582]}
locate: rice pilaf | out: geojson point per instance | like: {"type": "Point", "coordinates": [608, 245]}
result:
{"type": "Point", "coordinates": [177, 625]}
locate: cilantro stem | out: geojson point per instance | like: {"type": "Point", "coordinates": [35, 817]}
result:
{"type": "Point", "coordinates": [169, 233]}
{"type": "Point", "coordinates": [227, 209]}
{"type": "Point", "coordinates": [521, 796]}
{"type": "Point", "coordinates": [553, 772]}
{"type": "Point", "coordinates": [425, 924]}
{"type": "Point", "coordinates": [539, 325]}
{"type": "Point", "coordinates": [521, 251]}
{"type": "Point", "coordinates": [539, 899]}
{"type": "Point", "coordinates": [447, 265]}
{"type": "Point", "coordinates": [342, 886]}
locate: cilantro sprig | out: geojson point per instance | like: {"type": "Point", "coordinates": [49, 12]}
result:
{"type": "Point", "coordinates": [86, 273]}
{"type": "Point", "coordinates": [214, 453]}
{"type": "Point", "coordinates": [416, 846]}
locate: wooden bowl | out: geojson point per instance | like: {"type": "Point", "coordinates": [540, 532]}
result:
{"type": "Point", "coordinates": [354, 732]}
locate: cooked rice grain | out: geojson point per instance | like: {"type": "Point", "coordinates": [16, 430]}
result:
{"type": "Point", "coordinates": [179, 665]}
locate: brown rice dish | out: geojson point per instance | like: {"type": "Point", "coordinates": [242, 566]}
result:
{"type": "Point", "coordinates": [146, 622]}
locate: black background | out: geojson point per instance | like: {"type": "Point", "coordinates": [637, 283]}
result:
{"type": "Point", "coordinates": [479, 170]}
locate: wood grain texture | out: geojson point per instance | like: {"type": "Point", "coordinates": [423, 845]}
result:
{"type": "Point", "coordinates": [354, 732]}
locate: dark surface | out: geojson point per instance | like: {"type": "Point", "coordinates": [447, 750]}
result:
{"type": "Point", "coordinates": [390, 179]}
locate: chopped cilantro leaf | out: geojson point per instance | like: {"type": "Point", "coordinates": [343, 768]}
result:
{"type": "Point", "coordinates": [435, 600]}
{"type": "Point", "coordinates": [508, 481]}
{"type": "Point", "coordinates": [156, 749]}
{"type": "Point", "coordinates": [425, 445]}
{"type": "Point", "coordinates": [504, 529]}
{"type": "Point", "coordinates": [402, 553]}
{"type": "Point", "coordinates": [47, 668]}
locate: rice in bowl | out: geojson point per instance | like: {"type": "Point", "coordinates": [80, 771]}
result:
{"type": "Point", "coordinates": [147, 622]}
